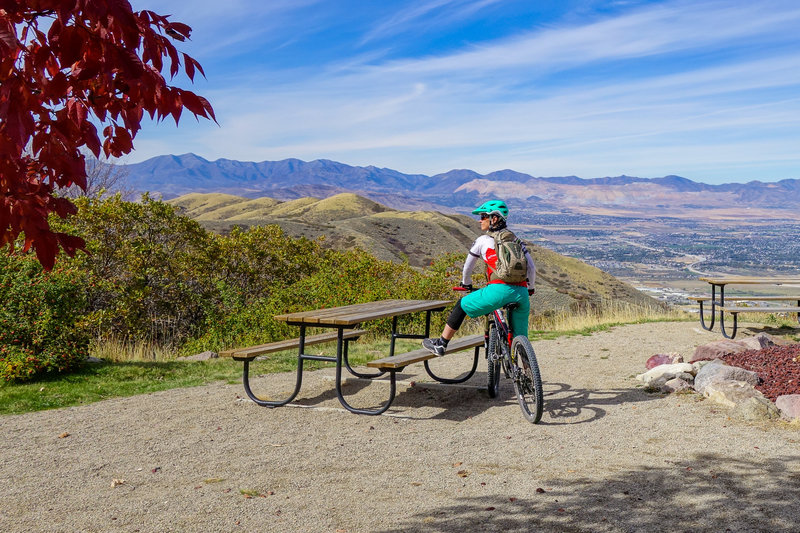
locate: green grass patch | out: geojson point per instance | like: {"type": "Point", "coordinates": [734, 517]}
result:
{"type": "Point", "coordinates": [101, 381]}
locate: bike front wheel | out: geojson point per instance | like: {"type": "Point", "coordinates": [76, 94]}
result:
{"type": "Point", "coordinates": [527, 379]}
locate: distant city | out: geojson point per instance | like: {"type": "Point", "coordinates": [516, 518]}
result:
{"type": "Point", "coordinates": [665, 256]}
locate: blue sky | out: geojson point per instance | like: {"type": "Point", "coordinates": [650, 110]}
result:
{"type": "Point", "coordinates": [708, 90]}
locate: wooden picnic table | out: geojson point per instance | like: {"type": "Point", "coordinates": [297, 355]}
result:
{"type": "Point", "coordinates": [343, 319]}
{"type": "Point", "coordinates": [718, 303]}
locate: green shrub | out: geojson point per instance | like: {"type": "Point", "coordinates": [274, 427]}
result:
{"type": "Point", "coordinates": [341, 278]}
{"type": "Point", "coordinates": [150, 269]}
{"type": "Point", "coordinates": [154, 276]}
{"type": "Point", "coordinates": [41, 327]}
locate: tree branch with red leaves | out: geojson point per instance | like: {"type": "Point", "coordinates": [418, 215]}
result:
{"type": "Point", "coordinates": [67, 66]}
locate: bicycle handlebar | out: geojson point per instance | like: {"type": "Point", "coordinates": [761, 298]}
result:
{"type": "Point", "coordinates": [470, 288]}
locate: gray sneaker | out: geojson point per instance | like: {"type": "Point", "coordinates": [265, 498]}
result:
{"type": "Point", "coordinates": [435, 346]}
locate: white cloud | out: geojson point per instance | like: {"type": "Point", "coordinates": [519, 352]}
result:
{"type": "Point", "coordinates": [537, 102]}
{"type": "Point", "coordinates": [430, 13]}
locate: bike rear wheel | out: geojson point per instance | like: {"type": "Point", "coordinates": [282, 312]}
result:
{"type": "Point", "coordinates": [493, 355]}
{"type": "Point", "coordinates": [527, 379]}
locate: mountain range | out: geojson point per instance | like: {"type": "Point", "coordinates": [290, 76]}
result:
{"type": "Point", "coordinates": [176, 175]}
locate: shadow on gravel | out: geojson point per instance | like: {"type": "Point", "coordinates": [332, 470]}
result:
{"type": "Point", "coordinates": [562, 403]}
{"type": "Point", "coordinates": [703, 493]}
{"type": "Point", "coordinates": [777, 331]}
{"type": "Point", "coordinates": [456, 402]}
{"type": "Point", "coordinates": [566, 405]}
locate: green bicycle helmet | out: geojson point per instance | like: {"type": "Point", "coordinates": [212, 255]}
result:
{"type": "Point", "coordinates": [493, 207]}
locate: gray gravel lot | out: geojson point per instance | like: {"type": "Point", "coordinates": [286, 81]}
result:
{"type": "Point", "coordinates": [606, 457]}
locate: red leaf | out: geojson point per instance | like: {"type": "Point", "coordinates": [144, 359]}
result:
{"type": "Point", "coordinates": [98, 65]}
{"type": "Point", "coordinates": [181, 29]}
{"type": "Point", "coordinates": [189, 67]}
{"type": "Point", "coordinates": [91, 139]}
{"type": "Point", "coordinates": [193, 103]}
{"type": "Point", "coordinates": [8, 37]}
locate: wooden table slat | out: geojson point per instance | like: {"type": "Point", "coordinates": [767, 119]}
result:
{"type": "Point", "coordinates": [738, 309]}
{"type": "Point", "coordinates": [345, 312]}
{"type": "Point", "coordinates": [745, 280]}
{"type": "Point", "coordinates": [378, 314]}
{"type": "Point", "coordinates": [338, 311]}
{"type": "Point", "coordinates": [357, 313]}
{"type": "Point", "coordinates": [746, 298]}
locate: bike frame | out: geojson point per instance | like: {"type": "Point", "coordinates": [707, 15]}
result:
{"type": "Point", "coordinates": [500, 323]}
{"type": "Point", "coordinates": [504, 330]}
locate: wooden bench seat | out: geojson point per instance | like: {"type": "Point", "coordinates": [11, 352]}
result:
{"type": "Point", "coordinates": [398, 362]}
{"type": "Point", "coordinates": [251, 352]}
{"type": "Point", "coordinates": [746, 298]}
{"type": "Point", "coordinates": [740, 309]}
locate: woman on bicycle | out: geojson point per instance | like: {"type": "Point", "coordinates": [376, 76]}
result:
{"type": "Point", "coordinates": [496, 293]}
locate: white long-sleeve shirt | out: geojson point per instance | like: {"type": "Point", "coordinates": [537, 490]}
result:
{"type": "Point", "coordinates": [483, 248]}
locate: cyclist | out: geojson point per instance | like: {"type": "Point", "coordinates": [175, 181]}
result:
{"type": "Point", "coordinates": [496, 293]}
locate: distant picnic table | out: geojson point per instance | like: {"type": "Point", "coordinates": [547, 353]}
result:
{"type": "Point", "coordinates": [722, 304]}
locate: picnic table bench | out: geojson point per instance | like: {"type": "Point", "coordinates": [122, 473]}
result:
{"type": "Point", "coordinates": [718, 302]}
{"type": "Point", "coordinates": [344, 320]}
{"type": "Point", "coordinates": [251, 352]}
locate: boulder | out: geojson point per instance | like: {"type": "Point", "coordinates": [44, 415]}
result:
{"type": "Point", "coordinates": [203, 356]}
{"type": "Point", "coordinates": [716, 349]}
{"type": "Point", "coordinates": [676, 385]}
{"type": "Point", "coordinates": [758, 342]}
{"type": "Point", "coordinates": [697, 365]}
{"type": "Point", "coordinates": [718, 371]}
{"type": "Point", "coordinates": [789, 406]}
{"type": "Point", "coordinates": [745, 401]}
{"type": "Point", "coordinates": [663, 359]}
{"type": "Point", "coordinates": [662, 373]}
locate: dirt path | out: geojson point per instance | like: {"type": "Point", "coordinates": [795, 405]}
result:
{"type": "Point", "coordinates": [606, 457]}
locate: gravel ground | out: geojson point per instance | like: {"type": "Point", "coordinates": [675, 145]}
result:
{"type": "Point", "coordinates": [606, 457]}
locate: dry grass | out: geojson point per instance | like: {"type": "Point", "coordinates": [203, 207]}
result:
{"type": "Point", "coordinates": [609, 312]}
{"type": "Point", "coordinates": [117, 351]}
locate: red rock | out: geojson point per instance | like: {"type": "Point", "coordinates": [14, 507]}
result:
{"type": "Point", "coordinates": [663, 359]}
{"type": "Point", "coordinates": [716, 349]}
{"type": "Point", "coordinates": [777, 366]}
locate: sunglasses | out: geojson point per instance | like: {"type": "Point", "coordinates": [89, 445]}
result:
{"type": "Point", "coordinates": [484, 216]}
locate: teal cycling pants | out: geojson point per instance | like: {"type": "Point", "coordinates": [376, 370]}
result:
{"type": "Point", "coordinates": [496, 295]}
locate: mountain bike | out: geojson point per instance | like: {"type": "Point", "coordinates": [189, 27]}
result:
{"type": "Point", "coordinates": [516, 358]}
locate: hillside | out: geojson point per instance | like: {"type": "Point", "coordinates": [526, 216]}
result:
{"type": "Point", "coordinates": [347, 220]}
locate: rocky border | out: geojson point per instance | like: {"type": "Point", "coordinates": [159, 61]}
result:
{"type": "Point", "coordinates": [727, 385]}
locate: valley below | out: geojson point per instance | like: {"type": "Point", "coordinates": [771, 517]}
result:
{"type": "Point", "coordinates": [665, 255]}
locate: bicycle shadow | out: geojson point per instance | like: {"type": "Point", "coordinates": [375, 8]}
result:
{"type": "Point", "coordinates": [566, 405]}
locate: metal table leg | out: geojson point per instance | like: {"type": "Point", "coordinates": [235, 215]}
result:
{"type": "Point", "coordinates": [713, 310]}
{"type": "Point", "coordinates": [340, 349]}
{"type": "Point", "coordinates": [301, 358]}
{"type": "Point", "coordinates": [722, 325]}
{"type": "Point", "coordinates": [451, 381]}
